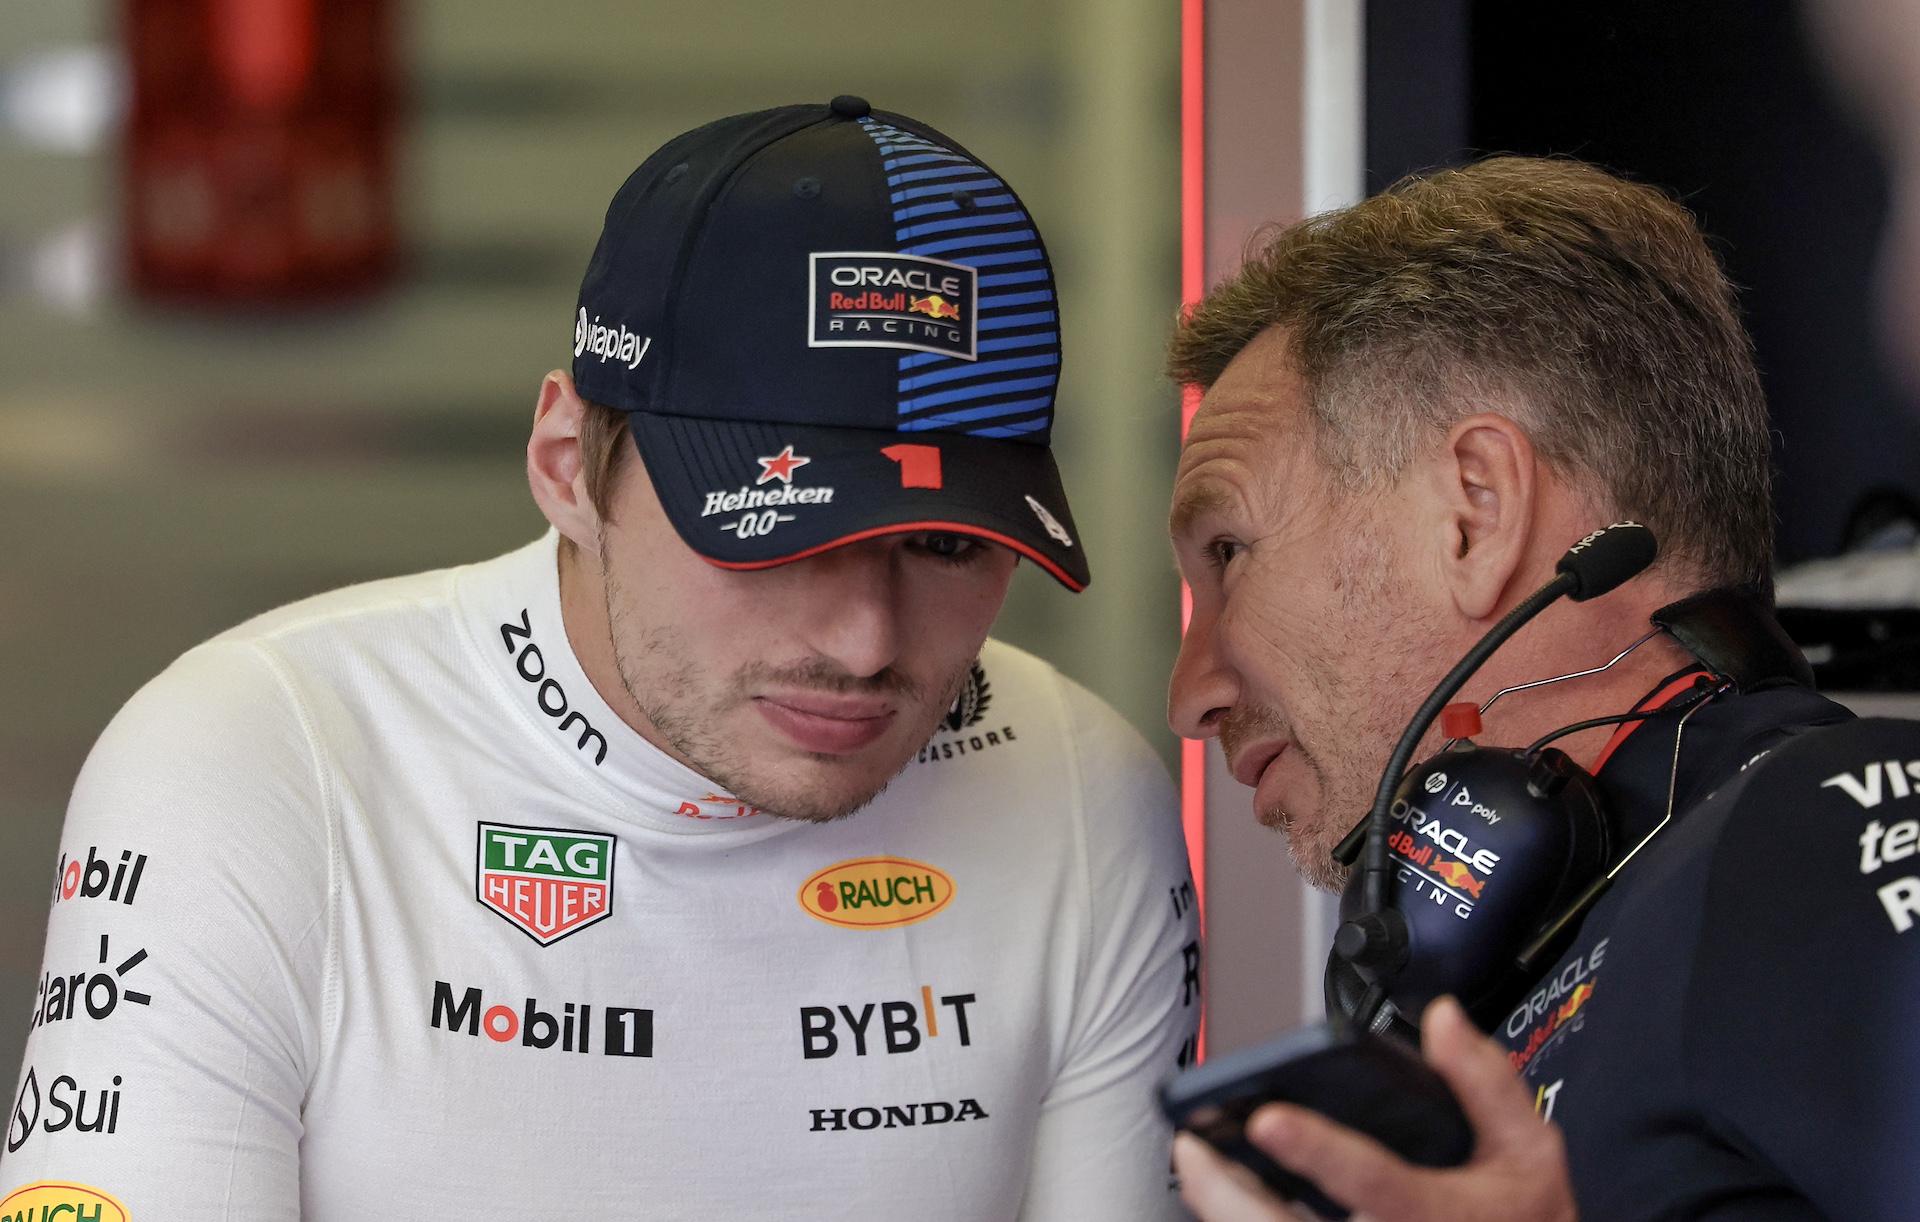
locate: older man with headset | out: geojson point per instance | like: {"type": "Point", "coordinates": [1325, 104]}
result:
{"type": "Point", "coordinates": [1414, 406]}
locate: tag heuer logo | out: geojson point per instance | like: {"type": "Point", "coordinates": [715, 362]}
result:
{"type": "Point", "coordinates": [549, 881]}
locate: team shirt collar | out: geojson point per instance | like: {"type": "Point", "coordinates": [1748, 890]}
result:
{"type": "Point", "coordinates": [510, 609]}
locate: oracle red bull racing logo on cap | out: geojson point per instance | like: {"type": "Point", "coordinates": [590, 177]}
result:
{"type": "Point", "coordinates": [550, 882]}
{"type": "Point", "coordinates": [878, 299]}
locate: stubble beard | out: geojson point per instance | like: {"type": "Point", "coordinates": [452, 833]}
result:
{"type": "Point", "coordinates": [1361, 710]}
{"type": "Point", "coordinates": [661, 677]}
{"type": "Point", "coordinates": [1310, 839]}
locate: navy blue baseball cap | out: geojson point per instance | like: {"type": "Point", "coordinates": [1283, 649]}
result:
{"type": "Point", "coordinates": [827, 323]}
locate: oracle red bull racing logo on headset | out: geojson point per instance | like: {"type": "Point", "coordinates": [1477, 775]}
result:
{"type": "Point", "coordinates": [1439, 862]}
{"type": "Point", "coordinates": [879, 299]}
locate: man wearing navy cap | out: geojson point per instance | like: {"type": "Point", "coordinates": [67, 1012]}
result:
{"type": "Point", "coordinates": [700, 860]}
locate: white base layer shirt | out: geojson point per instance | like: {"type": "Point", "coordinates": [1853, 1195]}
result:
{"type": "Point", "coordinates": [372, 907]}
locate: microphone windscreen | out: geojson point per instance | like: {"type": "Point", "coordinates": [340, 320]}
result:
{"type": "Point", "coordinates": [1608, 557]}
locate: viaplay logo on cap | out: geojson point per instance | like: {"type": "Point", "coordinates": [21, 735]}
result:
{"type": "Point", "coordinates": [877, 299]}
{"type": "Point", "coordinates": [609, 343]}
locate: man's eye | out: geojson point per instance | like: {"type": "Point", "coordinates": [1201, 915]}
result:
{"type": "Point", "coordinates": [948, 547]}
{"type": "Point", "coordinates": [1224, 550]}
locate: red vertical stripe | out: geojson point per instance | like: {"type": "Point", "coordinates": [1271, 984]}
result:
{"type": "Point", "coordinates": [1193, 285]}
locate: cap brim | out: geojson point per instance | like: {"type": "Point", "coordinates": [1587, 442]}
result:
{"type": "Point", "coordinates": [751, 496]}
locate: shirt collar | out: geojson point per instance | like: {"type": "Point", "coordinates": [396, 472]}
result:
{"type": "Point", "coordinates": [1720, 739]}
{"type": "Point", "coordinates": [510, 608]}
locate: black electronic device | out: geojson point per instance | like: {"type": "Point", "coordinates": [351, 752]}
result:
{"type": "Point", "coordinates": [1349, 1075]}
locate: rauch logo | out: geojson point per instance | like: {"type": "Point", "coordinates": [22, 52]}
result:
{"type": "Point", "coordinates": [48, 1200]}
{"type": "Point", "coordinates": [550, 882]}
{"type": "Point", "coordinates": [876, 892]}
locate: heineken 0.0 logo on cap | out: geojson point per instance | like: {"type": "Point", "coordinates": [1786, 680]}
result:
{"type": "Point", "coordinates": [549, 881]}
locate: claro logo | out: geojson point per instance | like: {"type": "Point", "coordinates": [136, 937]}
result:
{"type": "Point", "coordinates": [876, 892]}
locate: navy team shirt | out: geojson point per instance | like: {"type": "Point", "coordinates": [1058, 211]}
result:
{"type": "Point", "coordinates": [1735, 1032]}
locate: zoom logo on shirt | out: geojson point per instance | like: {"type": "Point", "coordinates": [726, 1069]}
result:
{"type": "Point", "coordinates": [625, 1031]}
{"type": "Point", "coordinates": [530, 664]}
{"type": "Point", "coordinates": [823, 1034]}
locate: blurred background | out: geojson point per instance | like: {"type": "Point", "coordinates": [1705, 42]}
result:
{"type": "Point", "coordinates": [279, 278]}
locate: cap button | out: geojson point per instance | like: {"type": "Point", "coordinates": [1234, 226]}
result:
{"type": "Point", "coordinates": [850, 107]}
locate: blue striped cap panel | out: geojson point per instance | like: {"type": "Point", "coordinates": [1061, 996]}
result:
{"type": "Point", "coordinates": [1008, 391]}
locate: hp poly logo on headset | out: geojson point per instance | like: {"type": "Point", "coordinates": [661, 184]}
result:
{"type": "Point", "coordinates": [1435, 783]}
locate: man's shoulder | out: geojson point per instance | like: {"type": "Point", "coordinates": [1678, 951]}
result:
{"type": "Point", "coordinates": [381, 630]}
{"type": "Point", "coordinates": [274, 674]}
{"type": "Point", "coordinates": [343, 611]}
{"type": "Point", "coordinates": [1809, 802]}
{"type": "Point", "coordinates": [1037, 685]}
{"type": "Point", "coordinates": [1023, 724]}
{"type": "Point", "coordinates": [1009, 679]}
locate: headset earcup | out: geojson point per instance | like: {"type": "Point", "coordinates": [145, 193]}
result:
{"type": "Point", "coordinates": [1488, 844]}
{"type": "Point", "coordinates": [1589, 850]}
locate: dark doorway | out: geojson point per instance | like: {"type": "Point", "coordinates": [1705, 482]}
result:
{"type": "Point", "coordinates": [1722, 103]}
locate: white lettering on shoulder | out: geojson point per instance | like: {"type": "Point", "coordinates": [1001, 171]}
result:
{"type": "Point", "coordinates": [1901, 899]}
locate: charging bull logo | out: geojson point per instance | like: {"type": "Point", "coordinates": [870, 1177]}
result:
{"type": "Point", "coordinates": [935, 307]}
{"type": "Point", "coordinates": [1459, 877]}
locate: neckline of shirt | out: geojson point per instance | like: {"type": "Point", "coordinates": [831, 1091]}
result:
{"type": "Point", "coordinates": [510, 609]}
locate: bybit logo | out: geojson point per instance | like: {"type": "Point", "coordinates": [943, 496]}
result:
{"type": "Point", "coordinates": [821, 1032]}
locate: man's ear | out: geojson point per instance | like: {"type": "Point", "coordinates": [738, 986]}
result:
{"type": "Point", "coordinates": [556, 470]}
{"type": "Point", "coordinates": [1487, 488]}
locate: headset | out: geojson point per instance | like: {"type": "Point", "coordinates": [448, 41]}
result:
{"type": "Point", "coordinates": [1481, 862]}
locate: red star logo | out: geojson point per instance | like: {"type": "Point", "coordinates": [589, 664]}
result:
{"type": "Point", "coordinates": [780, 466]}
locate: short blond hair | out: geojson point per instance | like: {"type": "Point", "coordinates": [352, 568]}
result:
{"type": "Point", "coordinates": [1589, 308]}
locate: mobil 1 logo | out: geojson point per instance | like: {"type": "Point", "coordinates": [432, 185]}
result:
{"type": "Point", "coordinates": [548, 882]}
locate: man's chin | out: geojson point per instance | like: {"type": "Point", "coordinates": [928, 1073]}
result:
{"type": "Point", "coordinates": [1310, 843]}
{"type": "Point", "coordinates": [1317, 866]}
{"type": "Point", "coordinates": [819, 788]}
{"type": "Point", "coordinates": [812, 803]}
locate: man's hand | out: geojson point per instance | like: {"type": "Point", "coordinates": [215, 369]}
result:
{"type": "Point", "coordinates": [1518, 1172]}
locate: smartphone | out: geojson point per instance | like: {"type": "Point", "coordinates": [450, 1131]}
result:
{"type": "Point", "coordinates": [1353, 1077]}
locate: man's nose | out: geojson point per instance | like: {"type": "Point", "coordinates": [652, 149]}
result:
{"type": "Point", "coordinates": [856, 612]}
{"type": "Point", "coordinates": [1204, 686]}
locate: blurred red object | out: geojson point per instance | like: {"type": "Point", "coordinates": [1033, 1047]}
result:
{"type": "Point", "coordinates": [259, 152]}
